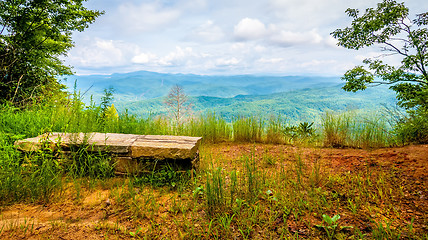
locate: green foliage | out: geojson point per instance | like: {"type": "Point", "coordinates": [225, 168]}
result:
{"type": "Point", "coordinates": [350, 130]}
{"type": "Point", "coordinates": [33, 37]}
{"type": "Point", "coordinates": [107, 99]}
{"type": "Point", "coordinates": [215, 194]}
{"type": "Point", "coordinates": [210, 126]}
{"type": "Point", "coordinates": [302, 131]}
{"type": "Point", "coordinates": [413, 128]}
{"type": "Point", "coordinates": [384, 230]}
{"type": "Point", "coordinates": [331, 226]}
{"type": "Point", "coordinates": [274, 128]}
{"type": "Point", "coordinates": [388, 26]}
{"type": "Point", "coordinates": [82, 162]}
{"type": "Point", "coordinates": [165, 176]}
{"type": "Point", "coordinates": [23, 177]}
{"type": "Point", "coordinates": [248, 129]}
{"type": "Point", "coordinates": [306, 105]}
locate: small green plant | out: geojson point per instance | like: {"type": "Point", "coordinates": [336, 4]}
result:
{"type": "Point", "coordinates": [412, 128]}
{"type": "Point", "coordinates": [383, 230]}
{"type": "Point", "coordinates": [299, 133]}
{"type": "Point", "coordinates": [198, 192]}
{"type": "Point", "coordinates": [268, 159]}
{"type": "Point", "coordinates": [352, 206]}
{"type": "Point", "coordinates": [164, 176]}
{"type": "Point", "coordinates": [135, 234]}
{"type": "Point", "coordinates": [332, 226]}
{"type": "Point", "coordinates": [252, 178]}
{"type": "Point", "coordinates": [305, 129]}
{"type": "Point", "coordinates": [215, 191]}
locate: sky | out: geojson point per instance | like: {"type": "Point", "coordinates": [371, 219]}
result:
{"type": "Point", "coordinates": [220, 37]}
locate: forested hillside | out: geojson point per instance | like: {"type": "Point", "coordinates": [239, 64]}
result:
{"type": "Point", "coordinates": [144, 85]}
{"type": "Point", "coordinates": [295, 106]}
{"type": "Point", "coordinates": [295, 98]}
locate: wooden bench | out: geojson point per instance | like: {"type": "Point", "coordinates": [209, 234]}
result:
{"type": "Point", "coordinates": [131, 153]}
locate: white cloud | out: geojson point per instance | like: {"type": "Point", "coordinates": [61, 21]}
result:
{"type": "Point", "coordinates": [249, 28]}
{"type": "Point", "coordinates": [303, 15]}
{"type": "Point", "coordinates": [144, 17]}
{"type": "Point", "coordinates": [227, 61]}
{"type": "Point", "coordinates": [253, 29]}
{"type": "Point", "coordinates": [207, 32]}
{"type": "Point", "coordinates": [178, 57]}
{"type": "Point", "coordinates": [331, 42]}
{"type": "Point", "coordinates": [270, 60]}
{"type": "Point", "coordinates": [144, 58]}
{"type": "Point", "coordinates": [101, 53]}
{"type": "Point", "coordinates": [246, 48]}
{"type": "Point", "coordinates": [222, 36]}
{"type": "Point", "coordinates": [316, 63]}
{"type": "Point", "coordinates": [287, 38]}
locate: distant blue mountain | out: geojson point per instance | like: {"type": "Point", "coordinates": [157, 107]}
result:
{"type": "Point", "coordinates": [144, 85]}
{"type": "Point", "coordinates": [297, 98]}
{"type": "Point", "coordinates": [295, 106]}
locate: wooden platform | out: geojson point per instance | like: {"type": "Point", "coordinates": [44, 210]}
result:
{"type": "Point", "coordinates": [128, 150]}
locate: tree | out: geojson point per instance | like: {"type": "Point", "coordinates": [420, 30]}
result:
{"type": "Point", "coordinates": [390, 27]}
{"type": "Point", "coordinates": [34, 34]}
{"type": "Point", "coordinates": [178, 104]}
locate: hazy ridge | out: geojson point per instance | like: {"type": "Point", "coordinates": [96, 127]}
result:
{"type": "Point", "coordinates": [296, 98]}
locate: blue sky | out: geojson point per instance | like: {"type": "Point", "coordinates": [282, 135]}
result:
{"type": "Point", "coordinates": [223, 37]}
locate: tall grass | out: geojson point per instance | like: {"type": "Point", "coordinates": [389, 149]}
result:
{"type": "Point", "coordinates": [210, 126]}
{"type": "Point", "coordinates": [32, 177]}
{"type": "Point", "coordinates": [413, 128]}
{"type": "Point", "coordinates": [248, 129]}
{"type": "Point", "coordinates": [274, 130]}
{"type": "Point", "coordinates": [347, 129]}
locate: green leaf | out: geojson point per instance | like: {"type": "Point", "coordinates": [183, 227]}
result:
{"type": "Point", "coordinates": [335, 218]}
{"type": "Point", "coordinates": [387, 26]}
{"type": "Point", "coordinates": [327, 219]}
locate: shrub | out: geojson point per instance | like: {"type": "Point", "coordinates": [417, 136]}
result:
{"type": "Point", "coordinates": [413, 128]}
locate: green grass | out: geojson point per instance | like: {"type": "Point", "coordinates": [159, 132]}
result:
{"type": "Point", "coordinates": [40, 173]}
{"type": "Point", "coordinates": [350, 130]}
{"type": "Point", "coordinates": [251, 196]}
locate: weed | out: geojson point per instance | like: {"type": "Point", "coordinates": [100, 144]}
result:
{"type": "Point", "coordinates": [215, 191]}
{"type": "Point", "coordinates": [268, 159]}
{"type": "Point", "coordinates": [348, 130]}
{"type": "Point", "coordinates": [248, 129]}
{"type": "Point", "coordinates": [252, 178]}
{"type": "Point", "coordinates": [164, 176]}
{"type": "Point", "coordinates": [383, 230]}
{"type": "Point", "coordinates": [331, 227]}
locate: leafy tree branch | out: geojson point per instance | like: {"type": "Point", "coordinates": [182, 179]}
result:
{"type": "Point", "coordinates": [34, 34]}
{"type": "Point", "coordinates": [389, 26]}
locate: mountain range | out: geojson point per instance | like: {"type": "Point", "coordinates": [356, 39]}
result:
{"type": "Point", "coordinates": [297, 98]}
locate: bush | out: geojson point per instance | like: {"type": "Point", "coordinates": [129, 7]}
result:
{"type": "Point", "coordinates": [413, 128]}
